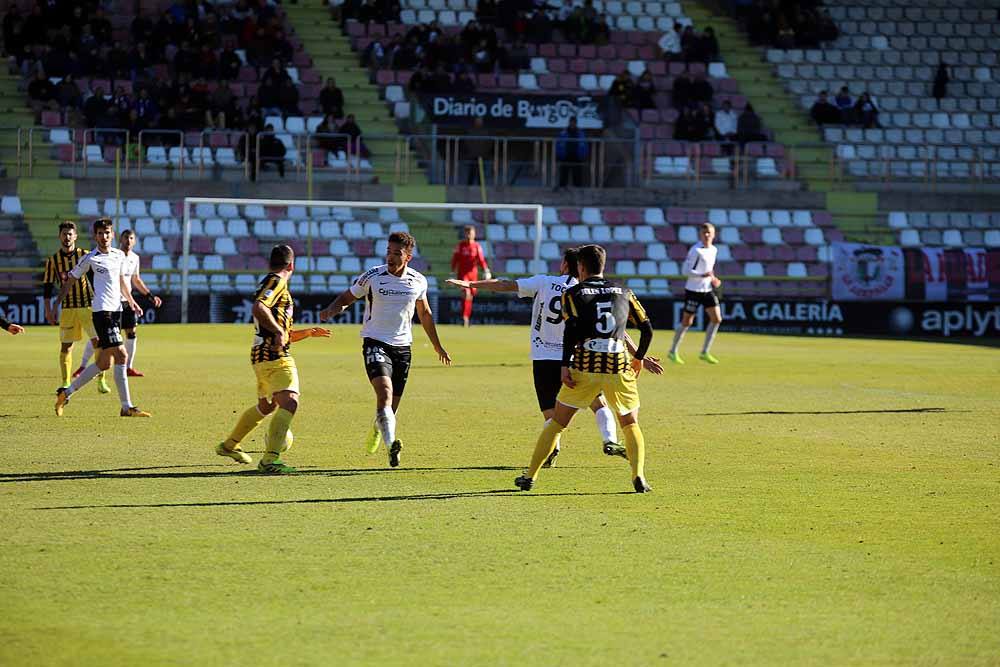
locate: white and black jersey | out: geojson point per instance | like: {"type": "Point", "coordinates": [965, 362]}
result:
{"type": "Point", "coordinates": [546, 330]}
{"type": "Point", "coordinates": [389, 303]}
{"type": "Point", "coordinates": [700, 260]}
{"type": "Point", "coordinates": [108, 268]}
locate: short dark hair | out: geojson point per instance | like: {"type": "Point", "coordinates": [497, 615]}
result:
{"type": "Point", "coordinates": [406, 241]}
{"type": "Point", "coordinates": [281, 256]}
{"type": "Point", "coordinates": [103, 223]}
{"type": "Point", "coordinates": [67, 224]}
{"type": "Point", "coordinates": [572, 258]}
{"type": "Point", "coordinates": [592, 258]}
{"type": "Point", "coordinates": [126, 232]}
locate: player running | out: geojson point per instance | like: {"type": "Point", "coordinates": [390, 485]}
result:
{"type": "Point", "coordinates": [465, 263]}
{"type": "Point", "coordinates": [594, 360]}
{"type": "Point", "coordinates": [391, 292]}
{"type": "Point", "coordinates": [110, 291]}
{"type": "Point", "coordinates": [701, 290]}
{"type": "Point", "coordinates": [277, 375]}
{"type": "Point", "coordinates": [126, 241]}
{"type": "Point", "coordinates": [75, 318]}
{"type": "Point", "coordinates": [546, 333]}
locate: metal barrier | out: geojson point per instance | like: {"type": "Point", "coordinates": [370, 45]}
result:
{"type": "Point", "coordinates": [241, 144]}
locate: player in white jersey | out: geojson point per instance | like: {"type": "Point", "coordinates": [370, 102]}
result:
{"type": "Point", "coordinates": [110, 290]}
{"type": "Point", "coordinates": [392, 293]}
{"type": "Point", "coordinates": [546, 335]}
{"type": "Point", "coordinates": [126, 241]}
{"type": "Point", "coordinates": [701, 290]}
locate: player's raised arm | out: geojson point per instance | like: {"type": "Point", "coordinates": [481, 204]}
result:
{"type": "Point", "coordinates": [491, 285]}
{"type": "Point", "coordinates": [426, 318]}
{"type": "Point", "coordinates": [339, 305]}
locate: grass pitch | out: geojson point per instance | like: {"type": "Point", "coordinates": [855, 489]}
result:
{"type": "Point", "coordinates": [816, 501]}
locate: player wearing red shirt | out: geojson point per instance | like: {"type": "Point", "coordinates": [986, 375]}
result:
{"type": "Point", "coordinates": [465, 263]}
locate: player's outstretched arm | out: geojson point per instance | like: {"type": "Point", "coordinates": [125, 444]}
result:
{"type": "Point", "coordinates": [651, 364]}
{"type": "Point", "coordinates": [427, 322]}
{"type": "Point", "coordinates": [9, 326]}
{"type": "Point", "coordinates": [311, 332]}
{"type": "Point", "coordinates": [339, 305]}
{"type": "Point", "coordinates": [494, 285]}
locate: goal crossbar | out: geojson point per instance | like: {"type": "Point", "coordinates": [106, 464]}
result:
{"type": "Point", "coordinates": [191, 202]}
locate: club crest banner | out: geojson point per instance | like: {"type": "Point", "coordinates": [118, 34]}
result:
{"type": "Point", "coordinates": [867, 273]}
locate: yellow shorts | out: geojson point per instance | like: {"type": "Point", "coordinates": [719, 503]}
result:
{"type": "Point", "coordinates": [620, 390]}
{"type": "Point", "coordinates": [274, 376]}
{"type": "Point", "coordinates": [74, 322]}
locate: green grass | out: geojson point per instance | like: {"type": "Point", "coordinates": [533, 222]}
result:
{"type": "Point", "coordinates": [847, 532]}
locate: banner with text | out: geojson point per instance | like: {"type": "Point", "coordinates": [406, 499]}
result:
{"type": "Point", "coordinates": [515, 111]}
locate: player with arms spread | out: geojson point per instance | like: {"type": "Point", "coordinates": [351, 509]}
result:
{"type": "Point", "coordinates": [595, 360]}
{"type": "Point", "coordinates": [392, 291]}
{"type": "Point", "coordinates": [466, 261]}
{"type": "Point", "coordinates": [111, 290]}
{"type": "Point", "coordinates": [75, 318]}
{"type": "Point", "coordinates": [546, 332]}
{"type": "Point", "coordinates": [126, 241]}
{"type": "Point", "coordinates": [701, 290]}
{"type": "Point", "coordinates": [277, 375]}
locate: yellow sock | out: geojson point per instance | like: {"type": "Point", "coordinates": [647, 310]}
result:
{"type": "Point", "coordinates": [276, 433]}
{"type": "Point", "coordinates": [635, 446]}
{"type": "Point", "coordinates": [66, 366]}
{"type": "Point", "coordinates": [547, 441]}
{"type": "Point", "coordinates": [248, 422]}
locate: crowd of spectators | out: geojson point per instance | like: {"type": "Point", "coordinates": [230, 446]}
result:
{"type": "Point", "coordinates": [174, 74]}
{"type": "Point", "coordinates": [685, 44]}
{"type": "Point", "coordinates": [845, 110]}
{"type": "Point", "coordinates": [700, 123]}
{"type": "Point", "coordinates": [785, 24]}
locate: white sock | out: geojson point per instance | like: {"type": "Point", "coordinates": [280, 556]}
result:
{"type": "Point", "coordinates": [678, 335]}
{"type": "Point", "coordinates": [121, 381]}
{"type": "Point", "coordinates": [130, 348]}
{"type": "Point", "coordinates": [88, 351]}
{"type": "Point", "coordinates": [385, 418]}
{"type": "Point", "coordinates": [606, 424]}
{"type": "Point", "coordinates": [88, 374]}
{"type": "Point", "coordinates": [710, 332]}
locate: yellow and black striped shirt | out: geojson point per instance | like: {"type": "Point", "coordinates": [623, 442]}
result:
{"type": "Point", "coordinates": [596, 313]}
{"type": "Point", "coordinates": [274, 295]}
{"type": "Point", "coordinates": [57, 268]}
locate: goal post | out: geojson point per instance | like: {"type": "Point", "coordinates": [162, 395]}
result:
{"type": "Point", "coordinates": [190, 204]}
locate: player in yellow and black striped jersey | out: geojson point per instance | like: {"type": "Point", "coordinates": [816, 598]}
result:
{"type": "Point", "coordinates": [596, 360]}
{"type": "Point", "coordinates": [277, 376]}
{"type": "Point", "coordinates": [75, 318]}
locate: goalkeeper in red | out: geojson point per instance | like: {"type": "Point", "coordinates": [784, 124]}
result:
{"type": "Point", "coordinates": [595, 360]}
{"type": "Point", "coordinates": [466, 261]}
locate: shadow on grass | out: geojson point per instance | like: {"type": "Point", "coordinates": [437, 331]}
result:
{"type": "Point", "coordinates": [830, 412]}
{"type": "Point", "coordinates": [324, 501]}
{"type": "Point", "coordinates": [145, 473]}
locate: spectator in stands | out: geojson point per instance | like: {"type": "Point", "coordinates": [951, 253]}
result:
{"type": "Point", "coordinates": [222, 109]}
{"type": "Point", "coordinates": [823, 112]}
{"type": "Point", "coordinates": [486, 11]}
{"type": "Point", "coordinates": [100, 27]}
{"type": "Point", "coordinates": [418, 81]}
{"type": "Point", "coordinates": [439, 81]}
{"type": "Point", "coordinates": [701, 90]}
{"type": "Point", "coordinates": [702, 123]}
{"type": "Point", "coordinates": [700, 48]}
{"type": "Point", "coordinates": [289, 99]}
{"type": "Point", "coordinates": [272, 151]}
{"type": "Point", "coordinates": [331, 99]}
{"type": "Point", "coordinates": [95, 108]}
{"type": "Point", "coordinates": [865, 111]}
{"type": "Point", "coordinates": [118, 62]}
{"type": "Point", "coordinates": [122, 103]}
{"type": "Point", "coordinates": [602, 30]}
{"type": "Point", "coordinates": [68, 93]}
{"type": "Point", "coordinates": [145, 107]}
{"type": "Point", "coordinates": [726, 122]}
{"type": "Point", "coordinates": [749, 127]}
{"type": "Point", "coordinates": [539, 29]}
{"type": "Point", "coordinates": [328, 127]}
{"type": "Point", "coordinates": [827, 29]}
{"type": "Point", "coordinates": [463, 83]}
{"type": "Point", "coordinates": [941, 80]}
{"type": "Point", "coordinates": [670, 44]}
{"type": "Point", "coordinates": [518, 57]}
{"type": "Point", "coordinates": [229, 64]}
{"type": "Point", "coordinates": [140, 63]}
{"type": "Point", "coordinates": [684, 129]}
{"type": "Point", "coordinates": [275, 75]}
{"type": "Point", "coordinates": [681, 92]}
{"type": "Point", "coordinates": [572, 151]}
{"type": "Point", "coordinates": [622, 89]}
{"type": "Point", "coordinates": [207, 65]}
{"type": "Point", "coordinates": [269, 97]}
{"type": "Point", "coordinates": [350, 127]}
{"type": "Point", "coordinates": [645, 91]}
{"type": "Point", "coordinates": [42, 93]}
{"type": "Point", "coordinates": [845, 103]}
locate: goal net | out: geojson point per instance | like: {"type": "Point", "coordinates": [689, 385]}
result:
{"type": "Point", "coordinates": [224, 242]}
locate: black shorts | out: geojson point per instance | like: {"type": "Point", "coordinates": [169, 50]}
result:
{"type": "Point", "coordinates": [129, 320]}
{"type": "Point", "coordinates": [548, 380]}
{"type": "Point", "coordinates": [108, 326]}
{"type": "Point", "coordinates": [694, 299]}
{"type": "Point", "coordinates": [383, 360]}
